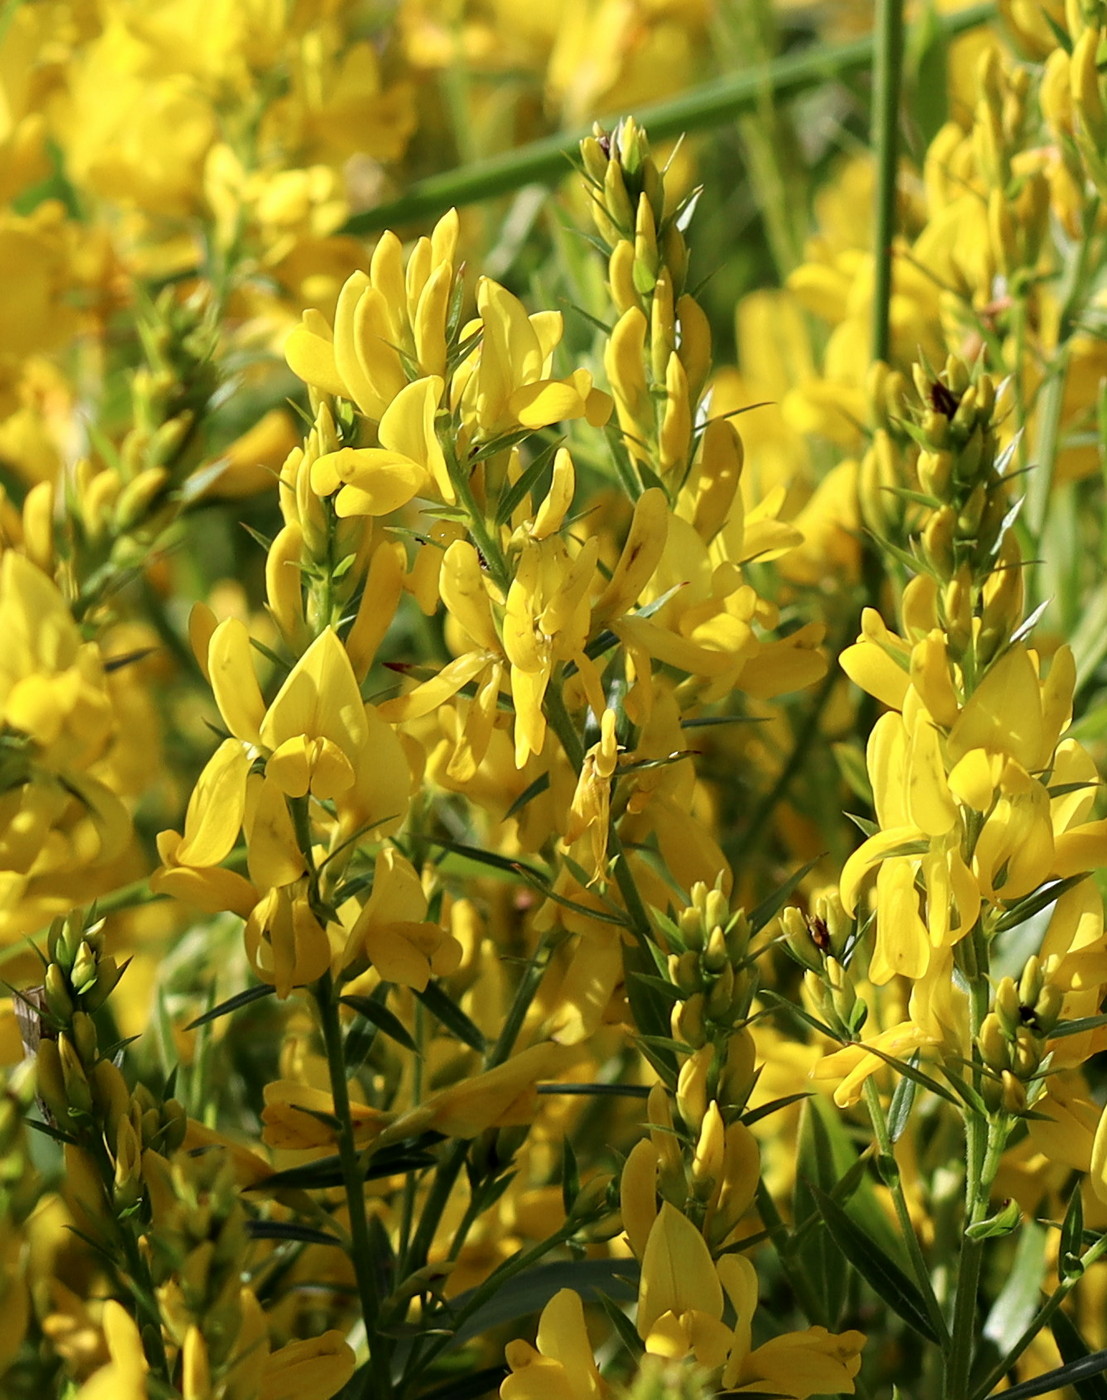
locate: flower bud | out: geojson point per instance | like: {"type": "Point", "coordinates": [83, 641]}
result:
{"type": "Point", "coordinates": [1032, 981]}
{"type": "Point", "coordinates": [738, 1072]}
{"type": "Point", "coordinates": [688, 1021]}
{"type": "Point", "coordinates": [56, 991]}
{"type": "Point", "coordinates": [1007, 1007]}
{"type": "Point", "coordinates": [1013, 1098]}
{"type": "Point", "coordinates": [50, 1082]}
{"type": "Point", "coordinates": [715, 955]}
{"type": "Point", "coordinates": [78, 1094]}
{"type": "Point", "coordinates": [993, 1045]}
{"type": "Point", "coordinates": [707, 1162]}
{"type": "Point", "coordinates": [692, 1086]}
{"type": "Point", "coordinates": [721, 995]}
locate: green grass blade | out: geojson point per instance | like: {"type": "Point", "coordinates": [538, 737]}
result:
{"type": "Point", "coordinates": [546, 161]}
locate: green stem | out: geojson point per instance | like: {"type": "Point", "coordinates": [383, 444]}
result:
{"type": "Point", "coordinates": [1037, 1322]}
{"type": "Point", "coordinates": [778, 1234]}
{"type": "Point", "coordinates": [983, 1147]}
{"type": "Point", "coordinates": [894, 1183]}
{"type": "Point", "coordinates": [377, 1375]}
{"type": "Point", "coordinates": [1074, 291]}
{"type": "Point", "coordinates": [487, 543]}
{"type": "Point", "coordinates": [887, 68]}
{"type": "Point", "coordinates": [445, 1176]}
{"type": "Point", "coordinates": [548, 160]}
{"type": "Point", "coordinates": [448, 1170]}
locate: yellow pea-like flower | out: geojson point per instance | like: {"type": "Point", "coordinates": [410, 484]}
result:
{"type": "Point", "coordinates": [286, 944]}
{"type": "Point", "coordinates": [314, 1369]}
{"type": "Point", "coordinates": [234, 681]}
{"type": "Point", "coordinates": [560, 1366]}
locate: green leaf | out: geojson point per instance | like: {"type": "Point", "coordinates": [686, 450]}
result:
{"type": "Point", "coordinates": [1072, 1236]}
{"type": "Point", "coordinates": [1077, 1027]}
{"type": "Point", "coordinates": [622, 1324]}
{"type": "Point", "coordinates": [530, 1291]}
{"type": "Point", "coordinates": [770, 907]}
{"type": "Point", "coordinates": [380, 1016]}
{"type": "Point", "coordinates": [288, 1230]}
{"type": "Point", "coordinates": [1019, 1297]}
{"type": "Point", "coordinates": [598, 1091]}
{"type": "Point", "coordinates": [529, 793]}
{"type": "Point", "coordinates": [570, 1176]}
{"type": "Point", "coordinates": [903, 1101]}
{"type": "Point", "coordinates": [326, 1172]}
{"type": "Point", "coordinates": [778, 1003]}
{"type": "Point", "coordinates": [450, 1015]}
{"type": "Point", "coordinates": [658, 984]}
{"type": "Point", "coordinates": [966, 1091]}
{"type": "Point", "coordinates": [1074, 1351]}
{"type": "Point", "coordinates": [911, 1071]}
{"type": "Point", "coordinates": [754, 1115]}
{"type": "Point", "coordinates": [1034, 903]}
{"type": "Point", "coordinates": [927, 56]}
{"type": "Point", "coordinates": [48, 1130]}
{"type": "Point", "coordinates": [489, 858]}
{"type": "Point", "coordinates": [243, 998]}
{"type": "Point", "coordinates": [1050, 1382]}
{"type": "Point", "coordinates": [1060, 33]}
{"type": "Point", "coordinates": [707, 721]}
{"type": "Point", "coordinates": [649, 1008]}
{"type": "Point", "coordinates": [884, 1277]}
{"type": "Point", "coordinates": [528, 479]}
{"type": "Point", "coordinates": [548, 892]}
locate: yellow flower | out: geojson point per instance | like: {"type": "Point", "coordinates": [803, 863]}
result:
{"type": "Point", "coordinates": [680, 1299]}
{"type": "Point", "coordinates": [313, 1369]}
{"type": "Point", "coordinates": [504, 383]}
{"type": "Point", "coordinates": [124, 1377]}
{"type": "Point", "coordinates": [392, 929]}
{"type": "Point", "coordinates": [384, 318]}
{"type": "Point", "coordinates": [58, 817]}
{"type": "Point", "coordinates": [560, 1365]}
{"type": "Point", "coordinates": [936, 1021]}
{"type": "Point", "coordinates": [285, 942]}
{"type": "Point", "coordinates": [408, 462]}
{"type": "Point", "coordinates": [291, 1117]}
{"type": "Point", "coordinates": [501, 1096]}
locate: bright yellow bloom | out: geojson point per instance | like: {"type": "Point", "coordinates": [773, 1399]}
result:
{"type": "Point", "coordinates": [124, 1377]}
{"type": "Point", "coordinates": [560, 1365]}
{"type": "Point", "coordinates": [408, 462]}
{"type": "Point", "coordinates": [313, 1369]}
{"type": "Point", "coordinates": [384, 318]}
{"type": "Point", "coordinates": [504, 385]}
{"type": "Point", "coordinates": [393, 931]}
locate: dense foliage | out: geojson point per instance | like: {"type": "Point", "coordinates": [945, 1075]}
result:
{"type": "Point", "coordinates": [451, 597]}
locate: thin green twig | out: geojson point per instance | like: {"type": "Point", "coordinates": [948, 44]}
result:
{"type": "Point", "coordinates": [546, 161]}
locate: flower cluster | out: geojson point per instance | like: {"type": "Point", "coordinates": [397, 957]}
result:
{"type": "Point", "coordinates": [439, 963]}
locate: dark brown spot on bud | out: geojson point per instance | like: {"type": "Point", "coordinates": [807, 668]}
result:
{"type": "Point", "coordinates": [942, 399]}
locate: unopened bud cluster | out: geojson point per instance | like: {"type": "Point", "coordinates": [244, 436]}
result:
{"type": "Point", "coordinates": [964, 542]}
{"type": "Point", "coordinates": [821, 941]}
{"type": "Point", "coordinates": [1012, 1038]}
{"type": "Point", "coordinates": [115, 510]}
{"type": "Point", "coordinates": [110, 1130]}
{"type": "Point", "coordinates": [711, 970]}
{"type": "Point", "coordinates": [707, 1159]}
{"type": "Point", "coordinates": [659, 353]}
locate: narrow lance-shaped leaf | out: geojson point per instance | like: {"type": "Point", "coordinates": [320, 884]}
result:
{"type": "Point", "coordinates": [884, 1277]}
